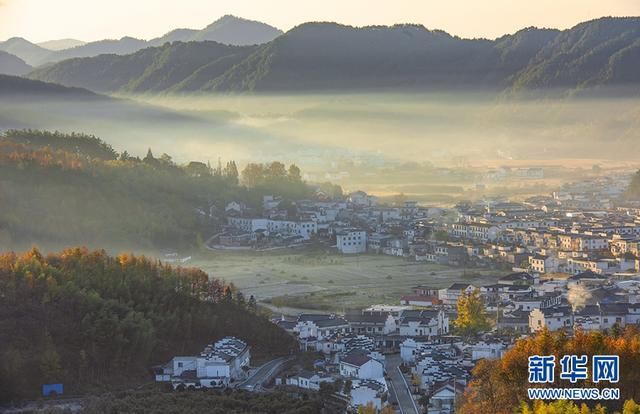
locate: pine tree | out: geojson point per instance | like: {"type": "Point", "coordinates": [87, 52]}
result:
{"type": "Point", "coordinates": [240, 299]}
{"type": "Point", "coordinates": [252, 305]}
{"type": "Point", "coordinates": [149, 157]}
{"type": "Point", "coordinates": [228, 294]}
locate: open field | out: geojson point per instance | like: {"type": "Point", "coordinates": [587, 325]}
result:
{"type": "Point", "coordinates": [328, 281]}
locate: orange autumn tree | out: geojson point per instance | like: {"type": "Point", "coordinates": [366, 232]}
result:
{"type": "Point", "coordinates": [87, 319]}
{"type": "Point", "coordinates": [500, 386]}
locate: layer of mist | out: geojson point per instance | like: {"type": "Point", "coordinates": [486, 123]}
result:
{"type": "Point", "coordinates": [323, 132]}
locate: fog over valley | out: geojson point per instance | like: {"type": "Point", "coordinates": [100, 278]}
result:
{"type": "Point", "coordinates": [320, 131]}
{"type": "Point", "coordinates": [320, 217]}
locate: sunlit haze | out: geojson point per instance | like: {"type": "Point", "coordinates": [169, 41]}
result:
{"type": "Point", "coordinates": [93, 20]}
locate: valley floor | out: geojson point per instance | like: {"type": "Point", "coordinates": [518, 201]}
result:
{"type": "Point", "coordinates": [312, 280]}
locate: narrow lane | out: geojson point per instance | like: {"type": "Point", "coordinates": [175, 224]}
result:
{"type": "Point", "coordinates": [400, 386]}
{"type": "Point", "coordinates": [263, 374]}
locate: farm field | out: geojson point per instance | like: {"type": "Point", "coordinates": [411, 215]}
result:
{"type": "Point", "coordinates": [317, 280]}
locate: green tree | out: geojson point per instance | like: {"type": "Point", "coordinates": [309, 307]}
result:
{"type": "Point", "coordinates": [294, 173]}
{"type": "Point", "coordinates": [276, 170]}
{"type": "Point", "coordinates": [240, 299]}
{"type": "Point", "coordinates": [228, 294]}
{"type": "Point", "coordinates": [252, 306]}
{"type": "Point", "coordinates": [253, 174]}
{"type": "Point", "coordinates": [441, 235]}
{"type": "Point", "coordinates": [149, 157]}
{"type": "Point", "coordinates": [348, 385]}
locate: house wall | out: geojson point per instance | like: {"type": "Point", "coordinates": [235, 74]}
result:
{"type": "Point", "coordinates": [352, 242]}
{"type": "Point", "coordinates": [182, 364]}
{"type": "Point", "coordinates": [371, 370]}
{"type": "Point", "coordinates": [361, 396]}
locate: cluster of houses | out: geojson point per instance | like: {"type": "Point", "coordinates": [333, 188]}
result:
{"type": "Point", "coordinates": [357, 344]}
{"type": "Point", "coordinates": [354, 225]}
{"type": "Point", "coordinates": [573, 258]}
{"type": "Point", "coordinates": [218, 365]}
{"type": "Point", "coordinates": [571, 231]}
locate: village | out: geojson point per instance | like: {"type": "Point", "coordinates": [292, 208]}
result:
{"type": "Point", "coordinates": [568, 260]}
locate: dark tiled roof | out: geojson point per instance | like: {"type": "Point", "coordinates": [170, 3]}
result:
{"type": "Point", "coordinates": [614, 308]}
{"type": "Point", "coordinates": [356, 358]}
{"type": "Point", "coordinates": [305, 317]}
{"type": "Point", "coordinates": [368, 318]}
{"type": "Point", "coordinates": [517, 276]}
{"type": "Point", "coordinates": [587, 275]}
{"type": "Point", "coordinates": [327, 323]}
{"type": "Point", "coordinates": [459, 286]}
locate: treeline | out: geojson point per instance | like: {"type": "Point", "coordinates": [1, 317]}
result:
{"type": "Point", "coordinates": [633, 191]}
{"type": "Point", "coordinates": [570, 407]}
{"type": "Point", "coordinates": [95, 322]}
{"type": "Point", "coordinates": [230, 402]}
{"type": "Point", "coordinates": [60, 190]}
{"type": "Point", "coordinates": [500, 386]}
{"type": "Point", "coordinates": [74, 143]}
{"type": "Point", "coordinates": [276, 177]}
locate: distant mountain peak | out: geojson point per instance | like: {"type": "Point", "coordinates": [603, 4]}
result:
{"type": "Point", "coordinates": [231, 17]}
{"type": "Point", "coordinates": [228, 29]}
{"type": "Point", "coordinates": [18, 40]}
{"type": "Point", "coordinates": [61, 44]}
{"type": "Point", "coordinates": [25, 50]}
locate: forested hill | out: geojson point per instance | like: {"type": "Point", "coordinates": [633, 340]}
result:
{"type": "Point", "coordinates": [633, 191]}
{"type": "Point", "coordinates": [13, 65]}
{"type": "Point", "coordinates": [326, 56]}
{"type": "Point", "coordinates": [58, 190]}
{"type": "Point", "coordinates": [17, 87]}
{"type": "Point", "coordinates": [174, 66]}
{"type": "Point", "coordinates": [95, 322]}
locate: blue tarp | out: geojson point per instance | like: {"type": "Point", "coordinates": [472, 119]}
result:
{"type": "Point", "coordinates": [55, 389]}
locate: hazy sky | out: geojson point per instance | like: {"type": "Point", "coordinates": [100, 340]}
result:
{"type": "Point", "coordinates": [40, 20]}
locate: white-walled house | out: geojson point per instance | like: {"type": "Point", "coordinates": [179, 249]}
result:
{"type": "Point", "coordinates": [411, 347]}
{"type": "Point", "coordinates": [450, 295]}
{"type": "Point", "coordinates": [351, 241]}
{"type": "Point", "coordinates": [303, 228]}
{"type": "Point", "coordinates": [308, 380]}
{"type": "Point", "coordinates": [429, 323]}
{"type": "Point", "coordinates": [485, 350]}
{"type": "Point", "coordinates": [215, 367]}
{"type": "Point", "coordinates": [551, 318]}
{"type": "Point", "coordinates": [475, 231]}
{"type": "Point", "coordinates": [364, 392]}
{"type": "Point", "coordinates": [373, 323]}
{"type": "Point", "coordinates": [320, 326]}
{"type": "Point", "coordinates": [543, 263]}
{"type": "Point", "coordinates": [359, 365]}
{"type": "Point", "coordinates": [419, 326]}
{"type": "Point", "coordinates": [443, 396]}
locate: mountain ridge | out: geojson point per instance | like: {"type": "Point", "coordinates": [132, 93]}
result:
{"type": "Point", "coordinates": [25, 50]}
{"type": "Point", "coordinates": [228, 29]}
{"type": "Point", "coordinates": [331, 56]}
{"type": "Point", "coordinates": [19, 86]}
{"type": "Point", "coordinates": [13, 65]}
{"type": "Point", "coordinates": [61, 44]}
